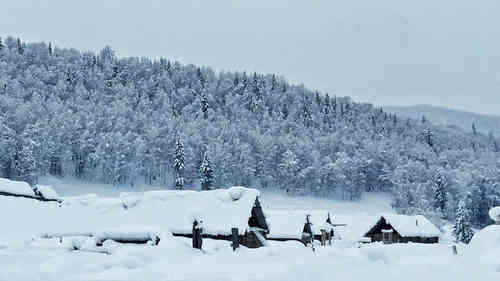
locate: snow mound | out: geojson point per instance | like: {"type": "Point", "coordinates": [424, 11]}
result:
{"type": "Point", "coordinates": [236, 192]}
{"type": "Point", "coordinates": [15, 187]}
{"type": "Point", "coordinates": [128, 234]}
{"type": "Point", "coordinates": [495, 214]}
{"type": "Point", "coordinates": [46, 191]}
{"type": "Point", "coordinates": [485, 246]}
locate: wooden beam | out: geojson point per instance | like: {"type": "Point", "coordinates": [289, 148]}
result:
{"type": "Point", "coordinates": [4, 193]}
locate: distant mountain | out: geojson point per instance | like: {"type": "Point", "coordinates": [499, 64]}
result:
{"type": "Point", "coordinates": [450, 117]}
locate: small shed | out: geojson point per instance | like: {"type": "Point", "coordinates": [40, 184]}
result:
{"type": "Point", "coordinates": [293, 225]}
{"type": "Point", "coordinates": [403, 229]}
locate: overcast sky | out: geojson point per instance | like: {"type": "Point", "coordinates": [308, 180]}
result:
{"type": "Point", "coordinates": [395, 52]}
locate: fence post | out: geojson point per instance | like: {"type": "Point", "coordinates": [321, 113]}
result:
{"type": "Point", "coordinates": [235, 238]}
{"type": "Point", "coordinates": [323, 237]}
{"type": "Point", "coordinates": [197, 231]}
{"type": "Point", "coordinates": [454, 248]}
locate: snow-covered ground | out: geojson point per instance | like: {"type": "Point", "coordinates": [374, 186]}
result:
{"type": "Point", "coordinates": [24, 256]}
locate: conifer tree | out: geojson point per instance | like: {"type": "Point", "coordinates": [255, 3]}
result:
{"type": "Point", "coordinates": [462, 229]}
{"type": "Point", "coordinates": [179, 158]}
{"type": "Point", "coordinates": [474, 130]}
{"type": "Point", "coordinates": [25, 163]}
{"type": "Point", "coordinates": [428, 137]}
{"type": "Point", "coordinates": [50, 48]}
{"type": "Point", "coordinates": [440, 193]}
{"type": "Point", "coordinates": [207, 173]}
{"type": "Point", "coordinates": [326, 110]}
{"type": "Point", "coordinates": [204, 106]}
{"type": "Point", "coordinates": [20, 49]}
{"type": "Point", "coordinates": [1, 44]}
{"type": "Point", "coordinates": [273, 82]}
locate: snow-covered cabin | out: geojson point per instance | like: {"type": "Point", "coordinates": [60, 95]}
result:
{"type": "Point", "coordinates": [289, 225]}
{"type": "Point", "coordinates": [219, 211]}
{"type": "Point", "coordinates": [24, 190]}
{"type": "Point", "coordinates": [402, 229]}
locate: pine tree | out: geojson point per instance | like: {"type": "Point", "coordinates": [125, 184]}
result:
{"type": "Point", "coordinates": [474, 130]}
{"type": "Point", "coordinates": [440, 193]}
{"type": "Point", "coordinates": [25, 163]}
{"type": "Point", "coordinates": [428, 137]}
{"type": "Point", "coordinates": [179, 158]}
{"type": "Point", "coordinates": [326, 110]}
{"type": "Point", "coordinates": [20, 49]}
{"type": "Point", "coordinates": [462, 229]}
{"type": "Point", "coordinates": [273, 82]}
{"type": "Point", "coordinates": [1, 44]}
{"type": "Point", "coordinates": [289, 168]}
{"type": "Point", "coordinates": [50, 48]}
{"type": "Point", "coordinates": [204, 106]}
{"type": "Point", "coordinates": [480, 204]}
{"type": "Point", "coordinates": [207, 174]}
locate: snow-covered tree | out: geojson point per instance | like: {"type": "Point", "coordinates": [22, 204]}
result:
{"type": "Point", "coordinates": [25, 163]}
{"type": "Point", "coordinates": [440, 192]}
{"type": "Point", "coordinates": [206, 173]}
{"type": "Point", "coordinates": [462, 229]}
{"type": "Point", "coordinates": [109, 119]}
{"type": "Point", "coordinates": [179, 159]}
{"type": "Point", "coordinates": [204, 106]}
{"type": "Point", "coordinates": [289, 169]}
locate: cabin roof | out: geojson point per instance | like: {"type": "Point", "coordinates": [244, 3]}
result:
{"type": "Point", "coordinates": [16, 187]}
{"type": "Point", "coordinates": [284, 223]}
{"type": "Point", "coordinates": [408, 226]}
{"type": "Point", "coordinates": [220, 209]}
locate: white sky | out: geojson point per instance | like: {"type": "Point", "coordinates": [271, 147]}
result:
{"type": "Point", "coordinates": [394, 52]}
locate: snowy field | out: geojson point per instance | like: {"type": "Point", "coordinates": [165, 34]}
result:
{"type": "Point", "coordinates": [24, 256]}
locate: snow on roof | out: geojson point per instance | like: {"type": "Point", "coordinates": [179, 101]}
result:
{"type": "Point", "coordinates": [410, 226]}
{"type": "Point", "coordinates": [47, 192]}
{"type": "Point", "coordinates": [220, 209]}
{"type": "Point", "coordinates": [15, 187]}
{"type": "Point", "coordinates": [291, 223]}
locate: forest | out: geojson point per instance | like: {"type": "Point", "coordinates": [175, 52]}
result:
{"type": "Point", "coordinates": [133, 120]}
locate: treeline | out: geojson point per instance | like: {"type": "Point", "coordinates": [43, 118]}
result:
{"type": "Point", "coordinates": [116, 120]}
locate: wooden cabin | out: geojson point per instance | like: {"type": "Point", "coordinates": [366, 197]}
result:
{"type": "Point", "coordinates": [22, 189]}
{"type": "Point", "coordinates": [403, 229]}
{"type": "Point", "coordinates": [220, 211]}
{"type": "Point", "coordinates": [300, 225]}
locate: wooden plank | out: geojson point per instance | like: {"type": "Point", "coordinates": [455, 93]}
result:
{"type": "Point", "coordinates": [4, 193]}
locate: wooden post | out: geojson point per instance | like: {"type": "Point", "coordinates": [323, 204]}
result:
{"type": "Point", "coordinates": [454, 248]}
{"type": "Point", "coordinates": [197, 231]}
{"type": "Point", "coordinates": [330, 237]}
{"type": "Point", "coordinates": [235, 238]}
{"type": "Point", "coordinates": [307, 233]}
{"type": "Point", "coordinates": [323, 237]}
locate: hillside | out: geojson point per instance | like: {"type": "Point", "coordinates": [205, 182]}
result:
{"type": "Point", "coordinates": [131, 121]}
{"type": "Point", "coordinates": [450, 117]}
